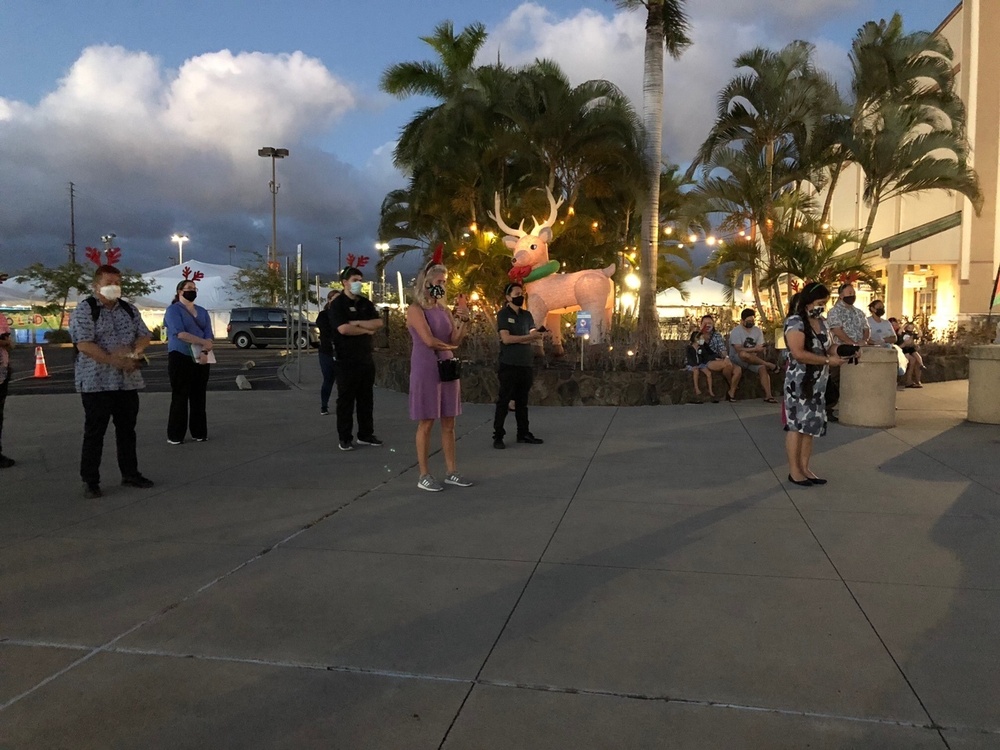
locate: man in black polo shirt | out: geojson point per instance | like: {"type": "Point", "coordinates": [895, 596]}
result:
{"type": "Point", "coordinates": [354, 320]}
{"type": "Point", "coordinates": [517, 334]}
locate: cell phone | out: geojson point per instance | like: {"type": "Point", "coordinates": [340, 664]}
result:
{"type": "Point", "coordinates": [542, 329]}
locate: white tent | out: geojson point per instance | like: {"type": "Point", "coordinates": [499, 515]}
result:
{"type": "Point", "coordinates": [215, 292]}
{"type": "Point", "coordinates": [701, 292]}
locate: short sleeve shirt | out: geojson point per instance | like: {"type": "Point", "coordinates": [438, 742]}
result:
{"type": "Point", "coordinates": [177, 320]}
{"type": "Point", "coordinates": [517, 323]}
{"type": "Point", "coordinates": [750, 338]}
{"type": "Point", "coordinates": [343, 310]}
{"type": "Point", "coordinates": [114, 329]}
{"type": "Point", "coordinates": [850, 318]}
{"type": "Point", "coordinates": [881, 329]}
{"type": "Point", "coordinates": [4, 354]}
{"type": "Point", "coordinates": [717, 344]}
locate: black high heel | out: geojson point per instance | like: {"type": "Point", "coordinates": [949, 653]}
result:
{"type": "Point", "coordinates": [805, 483]}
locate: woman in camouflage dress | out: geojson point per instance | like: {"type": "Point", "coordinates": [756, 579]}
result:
{"type": "Point", "coordinates": [812, 352]}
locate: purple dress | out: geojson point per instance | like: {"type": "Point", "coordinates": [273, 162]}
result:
{"type": "Point", "coordinates": [429, 397]}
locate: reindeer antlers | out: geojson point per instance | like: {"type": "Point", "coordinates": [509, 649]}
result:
{"type": "Point", "coordinates": [519, 232]}
{"type": "Point", "coordinates": [553, 212]}
{"type": "Point", "coordinates": [187, 274]}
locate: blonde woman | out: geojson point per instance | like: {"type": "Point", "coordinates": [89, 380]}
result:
{"type": "Point", "coordinates": [436, 333]}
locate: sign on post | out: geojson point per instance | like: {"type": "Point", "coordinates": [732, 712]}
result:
{"type": "Point", "coordinates": [582, 323]}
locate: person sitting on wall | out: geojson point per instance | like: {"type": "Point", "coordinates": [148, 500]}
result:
{"type": "Point", "coordinates": [746, 347]}
{"type": "Point", "coordinates": [721, 362]}
{"type": "Point", "coordinates": [697, 356]}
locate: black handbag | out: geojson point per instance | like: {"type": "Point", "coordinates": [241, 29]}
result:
{"type": "Point", "coordinates": [449, 369]}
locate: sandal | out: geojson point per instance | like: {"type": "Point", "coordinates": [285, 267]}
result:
{"type": "Point", "coordinates": [771, 400]}
{"type": "Point", "coordinates": [731, 399]}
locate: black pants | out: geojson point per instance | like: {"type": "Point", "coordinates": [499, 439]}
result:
{"type": "Point", "coordinates": [99, 408]}
{"type": "Point", "coordinates": [3, 400]}
{"type": "Point", "coordinates": [832, 389]}
{"type": "Point", "coordinates": [355, 388]}
{"type": "Point", "coordinates": [328, 366]}
{"type": "Point", "coordinates": [188, 383]}
{"type": "Point", "coordinates": [515, 383]}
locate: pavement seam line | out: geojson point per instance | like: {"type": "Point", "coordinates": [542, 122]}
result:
{"type": "Point", "coordinates": [531, 575]}
{"type": "Point", "coordinates": [846, 584]}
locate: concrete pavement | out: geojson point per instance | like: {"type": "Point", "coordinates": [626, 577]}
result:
{"type": "Point", "coordinates": [646, 579]}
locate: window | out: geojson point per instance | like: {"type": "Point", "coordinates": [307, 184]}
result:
{"type": "Point", "coordinates": [925, 300]}
{"type": "Point", "coordinates": [239, 316]}
{"type": "Point", "coordinates": [258, 316]}
{"type": "Point", "coordinates": [275, 317]}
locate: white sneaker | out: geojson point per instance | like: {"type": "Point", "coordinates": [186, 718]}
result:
{"type": "Point", "coordinates": [458, 480]}
{"type": "Point", "coordinates": [429, 483]}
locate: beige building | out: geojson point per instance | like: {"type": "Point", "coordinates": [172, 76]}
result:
{"type": "Point", "coordinates": [935, 257]}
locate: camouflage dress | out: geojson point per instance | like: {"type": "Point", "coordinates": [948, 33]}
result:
{"type": "Point", "coordinates": [806, 412]}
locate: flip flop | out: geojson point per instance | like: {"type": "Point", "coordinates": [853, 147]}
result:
{"type": "Point", "coordinates": [770, 400]}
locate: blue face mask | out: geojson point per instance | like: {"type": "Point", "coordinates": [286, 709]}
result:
{"type": "Point", "coordinates": [355, 287]}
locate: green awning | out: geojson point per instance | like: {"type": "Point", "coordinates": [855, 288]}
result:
{"type": "Point", "coordinates": [916, 234]}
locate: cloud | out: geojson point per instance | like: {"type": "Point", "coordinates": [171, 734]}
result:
{"type": "Point", "coordinates": [153, 151]}
{"type": "Point", "coordinates": [593, 44]}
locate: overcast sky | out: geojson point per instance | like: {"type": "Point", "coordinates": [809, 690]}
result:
{"type": "Point", "coordinates": [155, 111]}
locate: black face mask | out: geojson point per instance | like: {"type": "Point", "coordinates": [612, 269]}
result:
{"type": "Point", "coordinates": [849, 300]}
{"type": "Point", "coordinates": [748, 324]}
{"type": "Point", "coordinates": [517, 301]}
{"type": "Point", "coordinates": [190, 295]}
{"type": "Point", "coordinates": [436, 291]}
{"type": "Point", "coordinates": [879, 311]}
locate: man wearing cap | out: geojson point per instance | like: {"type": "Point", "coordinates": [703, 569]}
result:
{"type": "Point", "coordinates": [517, 334]}
{"type": "Point", "coordinates": [354, 320]}
{"type": "Point", "coordinates": [746, 349]}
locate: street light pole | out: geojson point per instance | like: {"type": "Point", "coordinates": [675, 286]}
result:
{"type": "Point", "coordinates": [232, 249]}
{"type": "Point", "coordinates": [180, 239]}
{"type": "Point", "coordinates": [274, 154]}
{"type": "Point", "coordinates": [340, 263]}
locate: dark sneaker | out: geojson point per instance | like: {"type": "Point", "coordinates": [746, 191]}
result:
{"type": "Point", "coordinates": [324, 412]}
{"type": "Point", "coordinates": [498, 444]}
{"type": "Point", "coordinates": [457, 479]}
{"type": "Point", "coordinates": [371, 440]}
{"type": "Point", "coordinates": [92, 491]}
{"type": "Point", "coordinates": [138, 481]}
{"type": "Point", "coordinates": [346, 445]}
{"type": "Point", "coordinates": [5, 462]}
{"type": "Point", "coordinates": [200, 440]}
{"type": "Point", "coordinates": [429, 483]}
{"type": "Point", "coordinates": [530, 439]}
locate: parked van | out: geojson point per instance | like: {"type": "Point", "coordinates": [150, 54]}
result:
{"type": "Point", "coordinates": [263, 326]}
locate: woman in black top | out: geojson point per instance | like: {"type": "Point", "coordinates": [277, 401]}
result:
{"type": "Point", "coordinates": [327, 357]}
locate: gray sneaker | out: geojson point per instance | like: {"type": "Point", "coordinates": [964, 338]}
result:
{"type": "Point", "coordinates": [458, 480]}
{"type": "Point", "coordinates": [429, 483]}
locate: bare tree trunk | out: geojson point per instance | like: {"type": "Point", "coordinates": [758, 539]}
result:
{"type": "Point", "coordinates": [868, 228]}
{"type": "Point", "coordinates": [835, 172]}
{"type": "Point", "coordinates": [652, 117]}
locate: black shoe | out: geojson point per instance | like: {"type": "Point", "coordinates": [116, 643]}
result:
{"type": "Point", "coordinates": [804, 483]}
{"type": "Point", "coordinates": [816, 480]}
{"type": "Point", "coordinates": [92, 491]}
{"type": "Point", "coordinates": [5, 462]}
{"type": "Point", "coordinates": [138, 481]}
{"type": "Point", "coordinates": [324, 412]}
{"type": "Point", "coordinates": [498, 444]}
{"type": "Point", "coordinates": [346, 445]}
{"type": "Point", "coordinates": [832, 418]}
{"type": "Point", "coordinates": [371, 440]}
{"type": "Point", "coordinates": [530, 439]}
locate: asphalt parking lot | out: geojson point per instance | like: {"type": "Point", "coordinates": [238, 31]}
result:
{"type": "Point", "coordinates": [231, 362]}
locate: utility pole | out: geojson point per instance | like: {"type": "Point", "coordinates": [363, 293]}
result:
{"type": "Point", "coordinates": [72, 225]}
{"type": "Point", "coordinates": [340, 263]}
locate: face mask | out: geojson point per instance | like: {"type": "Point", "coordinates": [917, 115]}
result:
{"type": "Point", "coordinates": [355, 287]}
{"type": "Point", "coordinates": [748, 324]}
{"type": "Point", "coordinates": [518, 300]}
{"type": "Point", "coordinates": [111, 291]}
{"type": "Point", "coordinates": [849, 300]}
{"type": "Point", "coordinates": [815, 312]}
{"type": "Point", "coordinates": [701, 342]}
{"type": "Point", "coordinates": [879, 311]}
{"type": "Point", "coordinates": [191, 295]}
{"type": "Point", "coordinates": [436, 291]}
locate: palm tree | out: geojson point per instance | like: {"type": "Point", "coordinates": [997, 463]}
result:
{"type": "Point", "coordinates": [908, 127]}
{"type": "Point", "coordinates": [795, 256]}
{"type": "Point", "coordinates": [666, 28]}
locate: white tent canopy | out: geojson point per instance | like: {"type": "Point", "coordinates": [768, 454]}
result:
{"type": "Point", "coordinates": [701, 292]}
{"type": "Point", "coordinates": [215, 292]}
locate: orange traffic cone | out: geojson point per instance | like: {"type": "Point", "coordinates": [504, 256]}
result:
{"type": "Point", "coordinates": [41, 371]}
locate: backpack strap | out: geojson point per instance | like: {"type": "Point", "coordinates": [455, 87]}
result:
{"type": "Point", "coordinates": [95, 309]}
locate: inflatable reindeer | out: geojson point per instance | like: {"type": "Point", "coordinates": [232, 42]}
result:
{"type": "Point", "coordinates": [550, 294]}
